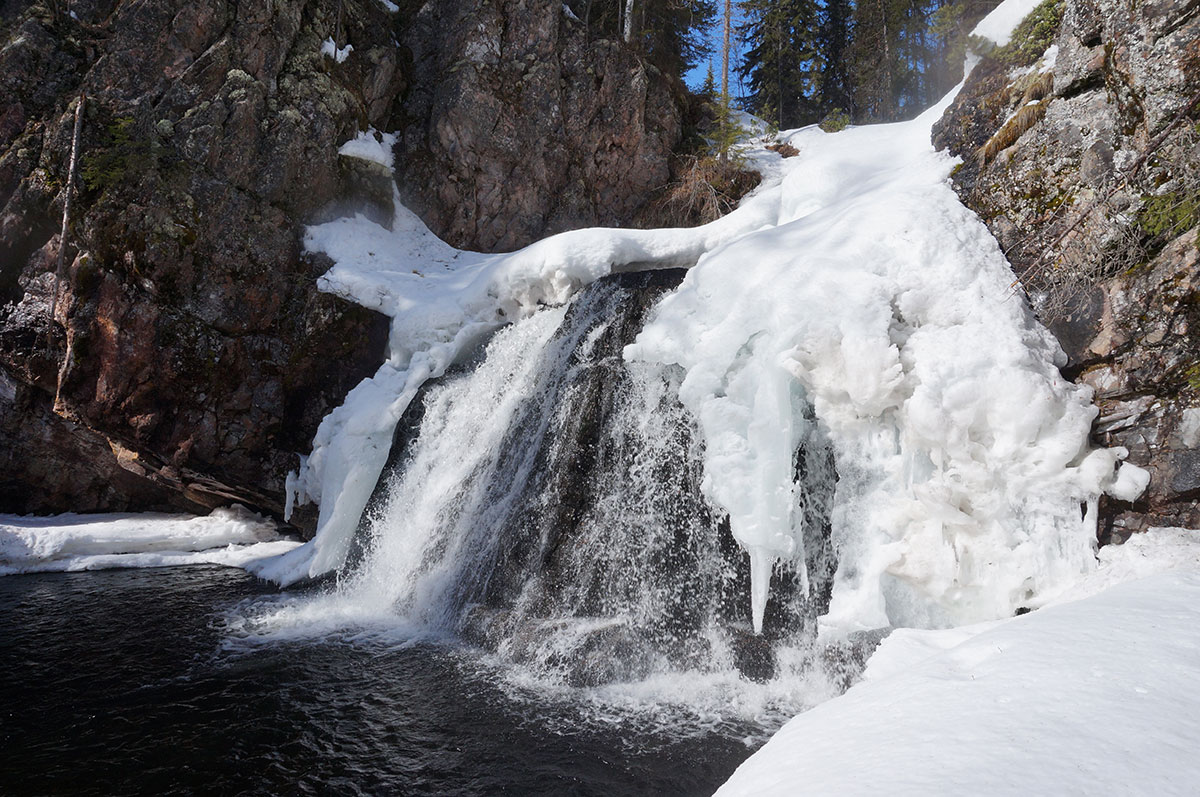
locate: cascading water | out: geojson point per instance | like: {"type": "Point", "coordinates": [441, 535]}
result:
{"type": "Point", "coordinates": [547, 504]}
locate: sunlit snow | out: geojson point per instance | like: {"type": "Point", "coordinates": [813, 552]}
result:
{"type": "Point", "coordinates": [998, 26]}
{"type": "Point", "coordinates": [1093, 697]}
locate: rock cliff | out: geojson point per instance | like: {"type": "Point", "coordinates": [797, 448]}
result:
{"type": "Point", "coordinates": [1081, 151]}
{"type": "Point", "coordinates": [521, 124]}
{"type": "Point", "coordinates": [191, 356]}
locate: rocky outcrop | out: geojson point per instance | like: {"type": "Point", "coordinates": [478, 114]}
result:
{"type": "Point", "coordinates": [191, 357]}
{"type": "Point", "coordinates": [520, 124]}
{"type": "Point", "coordinates": [1086, 166]}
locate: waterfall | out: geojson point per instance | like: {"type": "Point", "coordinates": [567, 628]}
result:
{"type": "Point", "coordinates": [545, 501]}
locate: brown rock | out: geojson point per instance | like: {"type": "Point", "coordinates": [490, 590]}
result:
{"type": "Point", "coordinates": [193, 356]}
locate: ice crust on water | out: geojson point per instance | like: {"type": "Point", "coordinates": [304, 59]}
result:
{"type": "Point", "coordinates": [69, 542]}
{"type": "Point", "coordinates": [853, 281]}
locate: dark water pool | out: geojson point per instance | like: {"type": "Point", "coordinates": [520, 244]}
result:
{"type": "Point", "coordinates": [117, 682]}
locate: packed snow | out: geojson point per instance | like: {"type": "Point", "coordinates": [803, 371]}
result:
{"type": "Point", "coordinates": [371, 145]}
{"type": "Point", "coordinates": [1101, 696]}
{"type": "Point", "coordinates": [998, 26]}
{"type": "Point", "coordinates": [70, 542]}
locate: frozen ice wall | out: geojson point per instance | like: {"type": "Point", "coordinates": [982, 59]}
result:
{"type": "Point", "coordinates": [962, 453]}
{"type": "Point", "coordinates": [853, 287]}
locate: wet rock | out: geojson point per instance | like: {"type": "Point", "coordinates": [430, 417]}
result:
{"type": "Point", "coordinates": [843, 661]}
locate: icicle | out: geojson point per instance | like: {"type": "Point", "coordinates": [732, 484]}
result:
{"type": "Point", "coordinates": [762, 562]}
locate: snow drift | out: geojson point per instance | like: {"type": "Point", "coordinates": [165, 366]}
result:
{"type": "Point", "coordinates": [1093, 697]}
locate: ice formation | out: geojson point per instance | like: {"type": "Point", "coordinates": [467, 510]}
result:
{"type": "Point", "coordinates": [442, 302]}
{"type": "Point", "coordinates": [880, 299]}
{"type": "Point", "coordinates": [228, 536]}
{"type": "Point", "coordinates": [852, 282]}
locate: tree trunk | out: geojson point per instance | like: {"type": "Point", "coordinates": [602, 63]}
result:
{"type": "Point", "coordinates": [727, 22]}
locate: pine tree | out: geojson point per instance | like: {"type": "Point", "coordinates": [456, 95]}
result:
{"type": "Point", "coordinates": [708, 90]}
{"type": "Point", "coordinates": [670, 34]}
{"type": "Point", "coordinates": [724, 115]}
{"type": "Point", "coordinates": [783, 62]}
{"type": "Point", "coordinates": [899, 53]}
{"type": "Point", "coordinates": [837, 89]}
{"type": "Point", "coordinates": [873, 59]}
{"type": "Point", "coordinates": [878, 60]}
{"type": "Point", "coordinates": [674, 33]}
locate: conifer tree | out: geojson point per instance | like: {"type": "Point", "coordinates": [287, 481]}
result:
{"type": "Point", "coordinates": [783, 60]}
{"type": "Point", "coordinates": [725, 112]}
{"type": "Point", "coordinates": [708, 90]}
{"type": "Point", "coordinates": [879, 60]}
{"type": "Point", "coordinates": [671, 34]}
{"type": "Point", "coordinates": [837, 88]}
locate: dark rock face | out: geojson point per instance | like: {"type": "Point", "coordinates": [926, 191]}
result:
{"type": "Point", "coordinates": [520, 125]}
{"type": "Point", "coordinates": [192, 352]}
{"type": "Point", "coordinates": [1096, 203]}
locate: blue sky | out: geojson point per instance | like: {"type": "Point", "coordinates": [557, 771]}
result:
{"type": "Point", "coordinates": [695, 78]}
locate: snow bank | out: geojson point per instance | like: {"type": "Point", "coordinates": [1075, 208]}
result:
{"type": "Point", "coordinates": [71, 542]}
{"type": "Point", "coordinates": [1101, 696]}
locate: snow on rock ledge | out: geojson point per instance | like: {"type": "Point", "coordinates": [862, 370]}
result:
{"type": "Point", "coordinates": [229, 536]}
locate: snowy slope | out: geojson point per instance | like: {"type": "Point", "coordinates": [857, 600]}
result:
{"type": "Point", "coordinates": [1096, 697]}
{"type": "Point", "coordinates": [73, 542]}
